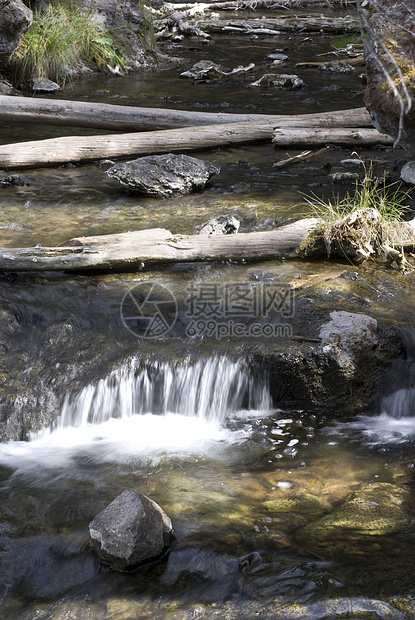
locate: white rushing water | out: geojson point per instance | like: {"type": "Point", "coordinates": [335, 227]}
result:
{"type": "Point", "coordinates": [151, 410]}
{"type": "Point", "coordinates": [209, 389]}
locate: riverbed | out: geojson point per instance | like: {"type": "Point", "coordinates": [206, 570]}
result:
{"type": "Point", "coordinates": [279, 512]}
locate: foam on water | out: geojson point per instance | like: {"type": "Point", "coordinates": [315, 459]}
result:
{"type": "Point", "coordinates": [150, 411]}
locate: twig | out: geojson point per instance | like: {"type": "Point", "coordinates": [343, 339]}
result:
{"type": "Point", "coordinates": [300, 157]}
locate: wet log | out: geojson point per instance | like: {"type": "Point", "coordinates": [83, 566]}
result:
{"type": "Point", "coordinates": [181, 22]}
{"type": "Point", "coordinates": [253, 5]}
{"type": "Point", "coordinates": [129, 118]}
{"type": "Point", "coordinates": [306, 137]}
{"type": "Point", "coordinates": [133, 250]}
{"type": "Point", "coordinates": [330, 25]}
{"type": "Point", "coordinates": [55, 151]}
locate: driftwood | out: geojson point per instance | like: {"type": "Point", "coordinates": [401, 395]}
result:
{"type": "Point", "coordinates": [353, 136]}
{"type": "Point", "coordinates": [132, 250]}
{"type": "Point", "coordinates": [286, 24]}
{"type": "Point", "coordinates": [56, 151]}
{"type": "Point", "coordinates": [357, 61]}
{"type": "Point", "coordinates": [181, 22]}
{"type": "Point", "coordinates": [300, 157]}
{"type": "Point", "coordinates": [129, 118]}
{"type": "Point", "coordinates": [253, 5]}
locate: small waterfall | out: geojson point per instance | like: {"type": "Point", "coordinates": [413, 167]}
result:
{"type": "Point", "coordinates": [399, 401]}
{"type": "Point", "coordinates": [395, 422]}
{"type": "Point", "coordinates": [208, 389]}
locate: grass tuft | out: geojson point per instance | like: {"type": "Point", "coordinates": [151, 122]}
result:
{"type": "Point", "coordinates": [63, 39]}
{"type": "Point", "coordinates": [362, 223]}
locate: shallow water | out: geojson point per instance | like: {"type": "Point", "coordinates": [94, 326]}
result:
{"type": "Point", "coordinates": [243, 481]}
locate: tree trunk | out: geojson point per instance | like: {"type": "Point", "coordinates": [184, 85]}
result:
{"type": "Point", "coordinates": [132, 250]}
{"type": "Point", "coordinates": [57, 151]}
{"type": "Point", "coordinates": [129, 118]}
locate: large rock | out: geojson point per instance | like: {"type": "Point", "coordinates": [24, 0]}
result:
{"type": "Point", "coordinates": [390, 56]}
{"type": "Point", "coordinates": [164, 175]}
{"type": "Point", "coordinates": [132, 530]}
{"type": "Point", "coordinates": [15, 19]}
{"type": "Point", "coordinates": [347, 336]}
{"type": "Point", "coordinates": [339, 372]}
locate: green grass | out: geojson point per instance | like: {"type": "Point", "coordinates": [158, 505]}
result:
{"type": "Point", "coordinates": [342, 41]}
{"type": "Point", "coordinates": [363, 222]}
{"type": "Point", "coordinates": [61, 40]}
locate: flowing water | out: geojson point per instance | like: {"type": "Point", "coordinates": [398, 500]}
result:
{"type": "Point", "coordinates": [269, 505]}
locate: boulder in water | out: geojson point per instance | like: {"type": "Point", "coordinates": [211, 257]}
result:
{"type": "Point", "coordinates": [130, 531]}
{"type": "Point", "coordinates": [164, 175]}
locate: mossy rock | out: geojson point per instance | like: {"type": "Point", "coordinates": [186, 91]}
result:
{"type": "Point", "coordinates": [299, 502]}
{"type": "Point", "coordinates": [374, 511]}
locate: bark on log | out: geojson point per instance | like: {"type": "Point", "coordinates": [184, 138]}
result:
{"type": "Point", "coordinates": [57, 151]}
{"type": "Point", "coordinates": [129, 118]}
{"type": "Point", "coordinates": [131, 250]}
{"type": "Point", "coordinates": [307, 137]}
{"type": "Point", "coordinates": [253, 5]}
{"type": "Point", "coordinates": [286, 24]}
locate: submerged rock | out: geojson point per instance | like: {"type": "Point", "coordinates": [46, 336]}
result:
{"type": "Point", "coordinates": [375, 510]}
{"type": "Point", "coordinates": [164, 175]}
{"type": "Point", "coordinates": [222, 225]}
{"type": "Point", "coordinates": [344, 177]}
{"type": "Point", "coordinates": [279, 81]}
{"type": "Point", "coordinates": [337, 67]}
{"type": "Point", "coordinates": [7, 180]}
{"type": "Point", "coordinates": [130, 531]}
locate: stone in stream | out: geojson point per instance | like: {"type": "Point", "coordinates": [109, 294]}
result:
{"type": "Point", "coordinates": [222, 225]}
{"type": "Point", "coordinates": [43, 85]}
{"type": "Point", "coordinates": [164, 175]}
{"type": "Point", "coordinates": [204, 70]}
{"type": "Point", "coordinates": [408, 173]}
{"type": "Point", "coordinates": [279, 81]}
{"type": "Point", "coordinates": [337, 67]}
{"type": "Point", "coordinates": [130, 531]}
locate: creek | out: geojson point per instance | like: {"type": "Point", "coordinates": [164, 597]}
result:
{"type": "Point", "coordinates": [278, 512]}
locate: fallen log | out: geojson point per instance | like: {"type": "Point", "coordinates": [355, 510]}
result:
{"type": "Point", "coordinates": [253, 5]}
{"type": "Point", "coordinates": [55, 151]}
{"type": "Point", "coordinates": [305, 137]}
{"type": "Point", "coordinates": [330, 25]}
{"type": "Point", "coordinates": [185, 28]}
{"type": "Point", "coordinates": [129, 118]}
{"type": "Point", "coordinates": [133, 250]}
